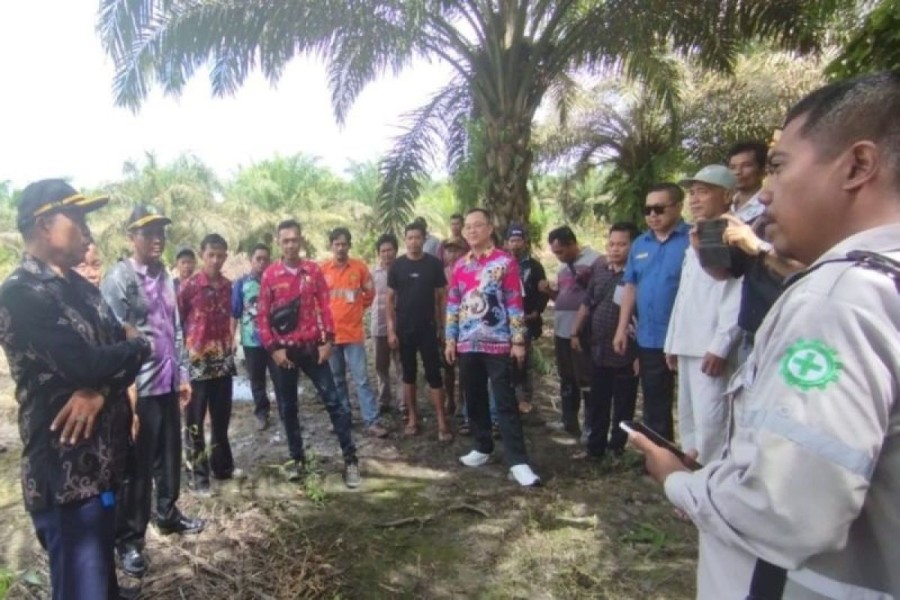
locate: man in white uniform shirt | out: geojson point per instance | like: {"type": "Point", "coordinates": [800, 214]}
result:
{"type": "Point", "coordinates": [703, 330]}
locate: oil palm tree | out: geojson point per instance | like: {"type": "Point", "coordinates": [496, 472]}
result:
{"type": "Point", "coordinates": [505, 54]}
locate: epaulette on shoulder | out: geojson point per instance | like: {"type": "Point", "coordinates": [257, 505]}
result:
{"type": "Point", "coordinates": [877, 262]}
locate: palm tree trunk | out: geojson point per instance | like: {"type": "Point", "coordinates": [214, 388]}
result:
{"type": "Point", "coordinates": [509, 159]}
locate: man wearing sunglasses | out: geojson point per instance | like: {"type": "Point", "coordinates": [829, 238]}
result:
{"type": "Point", "coordinates": [651, 283]}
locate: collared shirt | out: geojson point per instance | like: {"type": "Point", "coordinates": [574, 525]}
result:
{"type": "Point", "coordinates": [654, 268]}
{"type": "Point", "coordinates": [60, 336]}
{"type": "Point", "coordinates": [705, 315]}
{"type": "Point", "coordinates": [379, 306]}
{"type": "Point", "coordinates": [244, 295]}
{"type": "Point", "coordinates": [602, 300]}
{"type": "Point", "coordinates": [282, 285]}
{"type": "Point", "coordinates": [206, 308]}
{"type": "Point", "coordinates": [750, 211]}
{"type": "Point", "coordinates": [484, 303]}
{"type": "Point", "coordinates": [351, 290]}
{"type": "Point", "coordinates": [148, 302]}
{"type": "Point", "coordinates": [531, 272]}
{"type": "Point", "coordinates": [432, 246]}
{"type": "Point", "coordinates": [573, 282]}
{"type": "Point", "coordinates": [808, 480]}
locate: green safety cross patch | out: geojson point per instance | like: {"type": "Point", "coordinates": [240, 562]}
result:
{"type": "Point", "coordinates": [810, 364]}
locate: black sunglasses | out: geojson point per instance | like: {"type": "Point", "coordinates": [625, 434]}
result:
{"type": "Point", "coordinates": [656, 209]}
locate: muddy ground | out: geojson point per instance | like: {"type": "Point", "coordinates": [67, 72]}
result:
{"type": "Point", "coordinates": [421, 526]}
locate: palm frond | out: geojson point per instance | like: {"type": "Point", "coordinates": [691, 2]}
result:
{"type": "Point", "coordinates": [406, 165]}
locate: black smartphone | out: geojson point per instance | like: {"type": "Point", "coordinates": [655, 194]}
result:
{"type": "Point", "coordinates": [636, 426]}
{"type": "Point", "coordinates": [713, 251]}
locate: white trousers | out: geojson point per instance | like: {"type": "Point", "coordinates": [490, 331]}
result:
{"type": "Point", "coordinates": [702, 409]}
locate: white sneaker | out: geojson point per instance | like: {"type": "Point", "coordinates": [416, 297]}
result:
{"type": "Point", "coordinates": [524, 476]}
{"type": "Point", "coordinates": [474, 458]}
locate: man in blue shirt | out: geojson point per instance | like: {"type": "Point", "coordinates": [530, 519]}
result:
{"type": "Point", "coordinates": [651, 283]}
{"type": "Point", "coordinates": [244, 294]}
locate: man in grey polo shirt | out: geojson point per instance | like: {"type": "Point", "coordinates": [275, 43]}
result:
{"type": "Point", "coordinates": [576, 269]}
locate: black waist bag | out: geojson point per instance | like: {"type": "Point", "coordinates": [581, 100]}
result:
{"type": "Point", "coordinates": [284, 319]}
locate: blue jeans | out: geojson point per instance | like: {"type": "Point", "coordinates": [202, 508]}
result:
{"type": "Point", "coordinates": [354, 356]}
{"type": "Point", "coordinates": [79, 539]}
{"type": "Point", "coordinates": [306, 360]}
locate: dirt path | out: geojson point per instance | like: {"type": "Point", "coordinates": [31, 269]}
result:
{"type": "Point", "coordinates": [420, 527]}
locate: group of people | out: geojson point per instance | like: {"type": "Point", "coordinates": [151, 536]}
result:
{"type": "Point", "coordinates": [781, 331]}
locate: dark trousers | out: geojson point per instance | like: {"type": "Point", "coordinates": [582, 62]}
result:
{"type": "Point", "coordinates": [476, 369]}
{"type": "Point", "coordinates": [80, 540]}
{"type": "Point", "coordinates": [658, 385]}
{"type": "Point", "coordinates": [213, 395]}
{"type": "Point", "coordinates": [258, 361]}
{"type": "Point", "coordinates": [321, 378]}
{"type": "Point", "coordinates": [157, 456]}
{"type": "Point", "coordinates": [574, 370]}
{"type": "Point", "coordinates": [425, 343]}
{"type": "Point", "coordinates": [612, 390]}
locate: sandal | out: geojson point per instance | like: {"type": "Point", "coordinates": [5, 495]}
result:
{"type": "Point", "coordinates": [445, 437]}
{"type": "Point", "coordinates": [465, 429]}
{"type": "Point", "coordinates": [411, 430]}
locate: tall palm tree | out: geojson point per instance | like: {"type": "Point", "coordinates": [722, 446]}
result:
{"type": "Point", "coordinates": [506, 55]}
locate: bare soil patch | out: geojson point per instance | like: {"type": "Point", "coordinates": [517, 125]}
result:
{"type": "Point", "coordinates": [421, 526]}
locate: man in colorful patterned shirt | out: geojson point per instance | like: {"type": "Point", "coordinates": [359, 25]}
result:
{"type": "Point", "coordinates": [244, 296]}
{"type": "Point", "coordinates": [297, 329]}
{"type": "Point", "coordinates": [71, 361]}
{"type": "Point", "coordinates": [351, 290]}
{"type": "Point", "coordinates": [205, 304]}
{"type": "Point", "coordinates": [485, 328]}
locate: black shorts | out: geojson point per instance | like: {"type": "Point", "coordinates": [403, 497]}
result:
{"type": "Point", "coordinates": [425, 343]}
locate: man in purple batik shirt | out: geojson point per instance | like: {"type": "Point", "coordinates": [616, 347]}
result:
{"type": "Point", "coordinates": [141, 293]}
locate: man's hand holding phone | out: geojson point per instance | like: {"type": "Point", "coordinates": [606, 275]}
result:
{"type": "Point", "coordinates": [662, 457]}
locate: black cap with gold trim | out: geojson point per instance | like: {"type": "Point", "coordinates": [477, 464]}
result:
{"type": "Point", "coordinates": [144, 215]}
{"type": "Point", "coordinates": [51, 196]}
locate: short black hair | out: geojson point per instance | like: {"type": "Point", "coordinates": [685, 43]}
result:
{"type": "Point", "coordinates": [564, 235]}
{"type": "Point", "coordinates": [213, 239]}
{"type": "Point", "coordinates": [186, 253]}
{"type": "Point", "coordinates": [676, 194]}
{"type": "Point", "coordinates": [845, 112]}
{"type": "Point", "coordinates": [421, 221]}
{"type": "Point", "coordinates": [456, 216]}
{"type": "Point", "coordinates": [386, 238]}
{"type": "Point", "coordinates": [288, 224]}
{"type": "Point", "coordinates": [484, 211]}
{"type": "Point", "coordinates": [415, 225]}
{"type": "Point", "coordinates": [259, 247]}
{"type": "Point", "coordinates": [626, 226]}
{"type": "Point", "coordinates": [759, 149]}
{"type": "Point", "coordinates": [337, 232]}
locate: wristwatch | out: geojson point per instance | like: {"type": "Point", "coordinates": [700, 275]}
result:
{"type": "Point", "coordinates": [764, 248]}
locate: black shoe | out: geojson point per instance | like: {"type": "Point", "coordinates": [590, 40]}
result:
{"type": "Point", "coordinates": [182, 524]}
{"type": "Point", "coordinates": [132, 562]}
{"type": "Point", "coordinates": [296, 471]}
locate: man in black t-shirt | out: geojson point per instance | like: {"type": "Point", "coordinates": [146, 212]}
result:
{"type": "Point", "coordinates": [415, 310]}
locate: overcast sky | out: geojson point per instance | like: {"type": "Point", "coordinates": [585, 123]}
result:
{"type": "Point", "coordinates": [57, 117]}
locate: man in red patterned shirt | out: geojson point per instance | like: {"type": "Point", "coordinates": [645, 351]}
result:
{"type": "Point", "coordinates": [204, 302]}
{"type": "Point", "coordinates": [296, 327]}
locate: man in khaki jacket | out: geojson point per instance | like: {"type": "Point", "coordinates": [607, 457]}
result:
{"type": "Point", "coordinates": [809, 480]}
